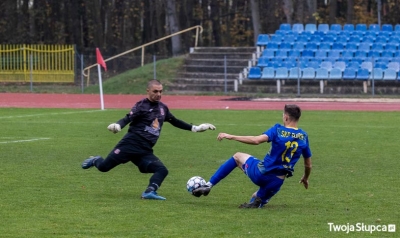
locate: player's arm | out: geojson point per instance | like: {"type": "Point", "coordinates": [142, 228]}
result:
{"type": "Point", "coordinates": [307, 172]}
{"type": "Point", "coordinates": [116, 127]}
{"type": "Point", "coordinates": [252, 140]}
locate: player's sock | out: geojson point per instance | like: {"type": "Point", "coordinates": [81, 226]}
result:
{"type": "Point", "coordinates": [151, 187]}
{"type": "Point", "coordinates": [223, 171]}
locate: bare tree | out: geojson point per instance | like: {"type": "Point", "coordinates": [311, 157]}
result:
{"type": "Point", "coordinates": [350, 11]}
{"type": "Point", "coordinates": [332, 11]}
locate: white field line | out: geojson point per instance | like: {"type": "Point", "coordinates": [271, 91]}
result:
{"type": "Point", "coordinates": [20, 141]}
{"type": "Point", "coordinates": [48, 114]}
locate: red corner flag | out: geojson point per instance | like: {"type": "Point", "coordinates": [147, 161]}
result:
{"type": "Point", "coordinates": [100, 59]}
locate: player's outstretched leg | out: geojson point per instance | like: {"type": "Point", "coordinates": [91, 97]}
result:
{"type": "Point", "coordinates": [203, 190]}
{"type": "Point", "coordinates": [152, 195]}
{"type": "Point", "coordinates": [89, 162]}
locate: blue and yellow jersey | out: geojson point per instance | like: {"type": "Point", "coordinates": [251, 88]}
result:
{"type": "Point", "coordinates": [287, 145]}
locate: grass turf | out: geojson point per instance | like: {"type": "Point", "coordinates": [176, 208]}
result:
{"type": "Point", "coordinates": [45, 193]}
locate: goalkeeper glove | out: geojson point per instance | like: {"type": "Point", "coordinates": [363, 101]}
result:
{"type": "Point", "coordinates": [114, 128]}
{"type": "Point", "coordinates": [203, 127]}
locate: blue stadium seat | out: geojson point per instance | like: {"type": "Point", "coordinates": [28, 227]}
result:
{"type": "Point", "coordinates": [262, 62]}
{"type": "Point", "coordinates": [326, 65]}
{"type": "Point", "coordinates": [298, 46]}
{"type": "Point", "coordinates": [289, 38]}
{"type": "Point", "coordinates": [335, 74]}
{"type": "Point", "coordinates": [307, 54]}
{"type": "Point", "coordinates": [394, 65]}
{"type": "Point", "coordinates": [365, 46]}
{"type": "Point", "coordinates": [387, 27]}
{"type": "Point", "coordinates": [371, 34]}
{"type": "Point", "coordinates": [342, 39]}
{"type": "Point", "coordinates": [313, 64]}
{"type": "Point", "coordinates": [272, 45]}
{"type": "Point", "coordinates": [281, 54]}
{"type": "Point", "coordinates": [276, 63]}
{"type": "Point", "coordinates": [336, 27]}
{"type": "Point", "coordinates": [374, 54]}
{"type": "Point", "coordinates": [311, 46]}
{"type": "Point", "coordinates": [360, 54]}
{"type": "Point", "coordinates": [366, 65]}
{"type": "Point", "coordinates": [254, 73]}
{"type": "Point", "coordinates": [334, 54]}
{"type": "Point", "coordinates": [389, 74]}
{"type": "Point", "coordinates": [298, 27]}
{"type": "Point", "coordinates": [361, 27]}
{"type": "Point", "coordinates": [321, 54]}
{"type": "Point", "coordinates": [285, 27]}
{"type": "Point", "coordinates": [281, 73]}
{"type": "Point", "coordinates": [387, 54]}
{"type": "Point", "coordinates": [347, 54]}
{"type": "Point", "coordinates": [352, 46]}
{"type": "Point", "coordinates": [362, 74]}
{"type": "Point", "coordinates": [353, 64]}
{"type": "Point", "coordinates": [276, 38]}
{"type": "Point", "coordinates": [354, 39]}
{"type": "Point", "coordinates": [374, 27]}
{"type": "Point", "coordinates": [377, 74]}
{"type": "Point", "coordinates": [329, 39]}
{"type": "Point", "coordinates": [285, 46]}
{"type": "Point", "coordinates": [349, 73]}
{"type": "Point", "coordinates": [262, 40]}
{"type": "Point", "coordinates": [302, 38]}
{"type": "Point", "coordinates": [268, 53]}
{"type": "Point", "coordinates": [308, 73]}
{"type": "Point", "coordinates": [397, 27]}
{"type": "Point", "coordinates": [381, 65]}
{"type": "Point", "coordinates": [348, 27]}
{"type": "Point", "coordinates": [377, 47]}
{"type": "Point", "coordinates": [323, 28]}
{"type": "Point", "coordinates": [289, 64]}
{"type": "Point", "coordinates": [394, 40]}
{"type": "Point", "coordinates": [294, 73]}
{"type": "Point", "coordinates": [381, 39]}
{"type": "Point", "coordinates": [310, 27]}
{"type": "Point", "coordinates": [337, 46]}
{"type": "Point", "coordinates": [391, 46]}
{"type": "Point", "coordinates": [268, 73]}
{"type": "Point", "coordinates": [339, 65]}
{"type": "Point", "coordinates": [359, 61]}
{"type": "Point", "coordinates": [315, 39]}
{"type": "Point", "coordinates": [322, 74]}
{"type": "Point", "coordinates": [325, 46]}
{"type": "Point", "coordinates": [294, 53]}
{"type": "Point", "coordinates": [368, 39]}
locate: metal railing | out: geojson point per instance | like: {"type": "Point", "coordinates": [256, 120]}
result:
{"type": "Point", "coordinates": [199, 29]}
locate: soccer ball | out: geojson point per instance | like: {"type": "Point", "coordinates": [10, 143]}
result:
{"type": "Point", "coordinates": [194, 183]}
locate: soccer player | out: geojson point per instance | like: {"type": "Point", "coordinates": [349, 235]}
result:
{"type": "Point", "coordinates": [288, 143]}
{"type": "Point", "coordinates": [145, 120]}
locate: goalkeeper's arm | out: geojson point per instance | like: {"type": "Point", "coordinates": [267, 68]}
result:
{"type": "Point", "coordinates": [185, 126]}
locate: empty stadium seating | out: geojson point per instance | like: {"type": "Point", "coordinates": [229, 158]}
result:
{"type": "Point", "coordinates": [329, 52]}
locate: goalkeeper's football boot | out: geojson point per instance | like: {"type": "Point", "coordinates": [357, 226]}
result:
{"type": "Point", "coordinates": [203, 190]}
{"type": "Point", "coordinates": [255, 202]}
{"type": "Point", "coordinates": [152, 195]}
{"type": "Point", "coordinates": [88, 163]}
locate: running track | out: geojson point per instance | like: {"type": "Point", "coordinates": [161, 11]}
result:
{"type": "Point", "coordinates": [32, 100]}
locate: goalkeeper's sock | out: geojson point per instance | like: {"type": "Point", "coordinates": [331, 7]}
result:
{"type": "Point", "coordinates": [152, 187]}
{"type": "Point", "coordinates": [223, 171]}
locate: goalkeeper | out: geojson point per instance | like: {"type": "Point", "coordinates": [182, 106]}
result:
{"type": "Point", "coordinates": [145, 120]}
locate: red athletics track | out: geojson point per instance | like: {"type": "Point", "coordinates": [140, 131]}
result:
{"type": "Point", "coordinates": [32, 100]}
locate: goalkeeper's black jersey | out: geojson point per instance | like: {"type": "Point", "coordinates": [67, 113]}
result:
{"type": "Point", "coordinates": [146, 119]}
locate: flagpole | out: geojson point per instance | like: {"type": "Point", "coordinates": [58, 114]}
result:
{"type": "Point", "coordinates": [101, 87]}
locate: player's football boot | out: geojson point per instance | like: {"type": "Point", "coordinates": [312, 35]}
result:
{"type": "Point", "coordinates": [89, 162]}
{"type": "Point", "coordinates": [203, 190]}
{"type": "Point", "coordinates": [152, 195]}
{"type": "Point", "coordinates": [255, 202]}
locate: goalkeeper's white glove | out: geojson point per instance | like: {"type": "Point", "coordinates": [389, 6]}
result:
{"type": "Point", "coordinates": [203, 127]}
{"type": "Point", "coordinates": [114, 128]}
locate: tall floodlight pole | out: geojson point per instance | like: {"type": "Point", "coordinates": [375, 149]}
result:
{"type": "Point", "coordinates": [379, 11]}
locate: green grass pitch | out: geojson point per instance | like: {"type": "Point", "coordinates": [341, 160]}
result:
{"type": "Point", "coordinates": [45, 193]}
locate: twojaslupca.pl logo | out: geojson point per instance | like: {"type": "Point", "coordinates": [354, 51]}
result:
{"type": "Point", "coordinates": [361, 227]}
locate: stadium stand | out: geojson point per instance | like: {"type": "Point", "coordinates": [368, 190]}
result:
{"type": "Point", "coordinates": [329, 52]}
